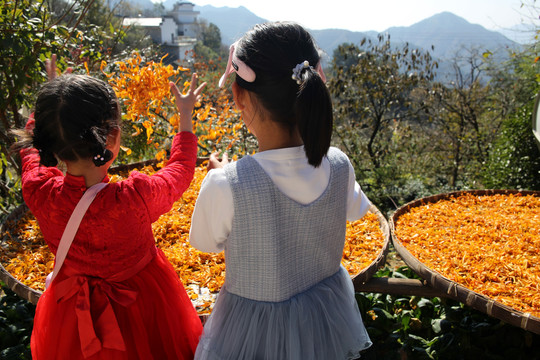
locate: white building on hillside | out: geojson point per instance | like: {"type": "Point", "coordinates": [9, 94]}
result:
{"type": "Point", "coordinates": [175, 32]}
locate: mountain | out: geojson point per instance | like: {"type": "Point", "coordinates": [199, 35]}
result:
{"type": "Point", "coordinates": [330, 39]}
{"type": "Point", "coordinates": [232, 22]}
{"type": "Point", "coordinates": [448, 33]}
{"type": "Point", "coordinates": [445, 31]}
{"type": "Point", "coordinates": [522, 33]}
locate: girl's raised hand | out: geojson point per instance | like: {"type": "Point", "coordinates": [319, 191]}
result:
{"type": "Point", "coordinates": [186, 103]}
{"type": "Point", "coordinates": [50, 67]}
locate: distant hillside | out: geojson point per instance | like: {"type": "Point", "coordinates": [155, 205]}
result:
{"type": "Point", "coordinates": [232, 22]}
{"type": "Point", "coordinates": [445, 31]}
{"type": "Point", "coordinates": [448, 33]}
{"type": "Point", "coordinates": [522, 33]}
{"type": "Point", "coordinates": [330, 39]}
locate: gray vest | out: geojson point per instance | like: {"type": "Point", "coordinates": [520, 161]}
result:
{"type": "Point", "coordinates": [278, 247]}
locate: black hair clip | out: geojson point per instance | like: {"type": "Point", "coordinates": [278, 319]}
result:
{"type": "Point", "coordinates": [102, 159]}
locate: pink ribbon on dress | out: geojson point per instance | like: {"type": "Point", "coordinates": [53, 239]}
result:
{"type": "Point", "coordinates": [97, 323]}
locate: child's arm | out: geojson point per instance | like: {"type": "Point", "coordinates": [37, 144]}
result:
{"type": "Point", "coordinates": [212, 217]}
{"type": "Point", "coordinates": [162, 189]}
{"type": "Point", "coordinates": [186, 103]}
{"type": "Point", "coordinates": [357, 202]}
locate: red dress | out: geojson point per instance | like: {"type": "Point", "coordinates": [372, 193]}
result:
{"type": "Point", "coordinates": [116, 296]}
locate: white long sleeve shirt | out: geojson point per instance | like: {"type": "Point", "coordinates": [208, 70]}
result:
{"type": "Point", "coordinates": [289, 169]}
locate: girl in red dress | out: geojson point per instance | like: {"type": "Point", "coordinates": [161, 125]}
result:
{"type": "Point", "coordinates": [116, 295]}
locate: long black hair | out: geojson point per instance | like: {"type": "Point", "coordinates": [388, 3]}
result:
{"type": "Point", "coordinates": [272, 51]}
{"type": "Point", "coordinates": [74, 114]}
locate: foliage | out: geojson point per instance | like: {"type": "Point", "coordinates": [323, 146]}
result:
{"type": "Point", "coordinates": [467, 117]}
{"type": "Point", "coordinates": [514, 157]}
{"type": "Point", "coordinates": [514, 160]}
{"type": "Point", "coordinates": [28, 36]}
{"type": "Point", "coordinates": [412, 327]}
{"type": "Point", "coordinates": [16, 321]}
{"type": "Point", "coordinates": [373, 88]}
{"type": "Point", "coordinates": [142, 86]}
{"type": "Point", "coordinates": [409, 136]}
{"type": "Point", "coordinates": [144, 90]}
{"type": "Point", "coordinates": [379, 93]}
{"type": "Point", "coordinates": [211, 37]}
{"type": "Point", "coordinates": [82, 33]}
{"type": "Point", "coordinates": [401, 327]}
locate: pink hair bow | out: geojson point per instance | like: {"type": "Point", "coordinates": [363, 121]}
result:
{"type": "Point", "coordinates": [234, 64]}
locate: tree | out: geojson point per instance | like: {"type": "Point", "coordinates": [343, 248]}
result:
{"type": "Point", "coordinates": [209, 44]}
{"type": "Point", "coordinates": [464, 111]}
{"type": "Point", "coordinates": [514, 160]}
{"type": "Point", "coordinates": [29, 35]}
{"type": "Point", "coordinates": [374, 88]}
{"type": "Point", "coordinates": [514, 157]}
{"type": "Point", "coordinates": [82, 33]}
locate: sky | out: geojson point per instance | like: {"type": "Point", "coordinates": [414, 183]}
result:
{"type": "Point", "coordinates": [379, 15]}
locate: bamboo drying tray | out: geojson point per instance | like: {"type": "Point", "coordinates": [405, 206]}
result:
{"type": "Point", "coordinates": [32, 295]}
{"type": "Point", "coordinates": [450, 288]}
{"type": "Point", "coordinates": [367, 273]}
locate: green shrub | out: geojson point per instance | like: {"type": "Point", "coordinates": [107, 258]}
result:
{"type": "Point", "coordinates": [16, 323]}
{"type": "Point", "coordinates": [514, 160]}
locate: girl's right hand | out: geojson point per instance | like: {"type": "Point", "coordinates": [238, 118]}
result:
{"type": "Point", "coordinates": [214, 163]}
{"type": "Point", "coordinates": [186, 103]}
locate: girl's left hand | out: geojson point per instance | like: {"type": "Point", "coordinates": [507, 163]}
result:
{"type": "Point", "coordinates": [50, 67]}
{"type": "Point", "coordinates": [186, 103]}
{"type": "Point", "coordinates": [215, 163]}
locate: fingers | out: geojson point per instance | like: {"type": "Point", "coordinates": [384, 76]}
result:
{"type": "Point", "coordinates": [194, 81]}
{"type": "Point", "coordinates": [50, 67]}
{"type": "Point", "coordinates": [198, 91]}
{"type": "Point", "coordinates": [193, 85]}
{"type": "Point", "coordinates": [174, 90]}
{"type": "Point", "coordinates": [213, 157]}
{"type": "Point", "coordinates": [214, 163]}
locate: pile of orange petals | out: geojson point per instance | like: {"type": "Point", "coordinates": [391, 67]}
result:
{"type": "Point", "coordinates": [489, 244]}
{"type": "Point", "coordinates": [202, 274]}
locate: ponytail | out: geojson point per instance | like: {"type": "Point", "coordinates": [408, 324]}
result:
{"type": "Point", "coordinates": [313, 109]}
{"type": "Point", "coordinates": [274, 52]}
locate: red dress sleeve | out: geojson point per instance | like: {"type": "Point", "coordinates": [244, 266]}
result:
{"type": "Point", "coordinates": [38, 181]}
{"type": "Point", "coordinates": [160, 190]}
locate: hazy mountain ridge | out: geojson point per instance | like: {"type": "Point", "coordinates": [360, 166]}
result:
{"type": "Point", "coordinates": [448, 33]}
{"type": "Point", "coordinates": [445, 31]}
{"type": "Point", "coordinates": [232, 22]}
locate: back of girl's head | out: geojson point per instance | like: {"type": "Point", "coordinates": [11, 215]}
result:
{"type": "Point", "coordinates": [272, 51]}
{"type": "Point", "coordinates": [74, 114]}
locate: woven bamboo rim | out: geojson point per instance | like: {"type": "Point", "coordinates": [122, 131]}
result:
{"type": "Point", "coordinates": [451, 288]}
{"type": "Point", "coordinates": [24, 291]}
{"type": "Point", "coordinates": [367, 273]}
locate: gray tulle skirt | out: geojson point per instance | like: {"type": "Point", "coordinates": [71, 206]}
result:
{"type": "Point", "coordinates": [322, 322]}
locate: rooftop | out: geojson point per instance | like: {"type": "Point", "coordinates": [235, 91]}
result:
{"type": "Point", "coordinates": [146, 22]}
